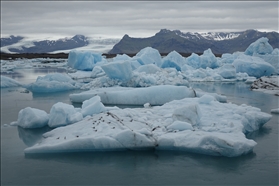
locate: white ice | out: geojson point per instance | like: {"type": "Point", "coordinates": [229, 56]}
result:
{"type": "Point", "coordinates": [55, 82]}
{"type": "Point", "coordinates": [253, 66]}
{"type": "Point", "coordinates": [210, 127]}
{"type": "Point", "coordinates": [173, 60]}
{"type": "Point", "coordinates": [154, 95]}
{"type": "Point", "coordinates": [261, 46]}
{"type": "Point", "coordinates": [207, 59]}
{"type": "Point", "coordinates": [121, 70]}
{"type": "Point", "coordinates": [62, 114]}
{"type": "Point", "coordinates": [84, 60]}
{"type": "Point", "coordinates": [32, 118]}
{"type": "Point", "coordinates": [148, 55]}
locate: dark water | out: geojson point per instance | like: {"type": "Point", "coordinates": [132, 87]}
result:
{"type": "Point", "coordinates": [135, 167]}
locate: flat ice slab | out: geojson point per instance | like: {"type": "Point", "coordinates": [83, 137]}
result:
{"type": "Point", "coordinates": [155, 95]}
{"type": "Point", "coordinates": [200, 125]}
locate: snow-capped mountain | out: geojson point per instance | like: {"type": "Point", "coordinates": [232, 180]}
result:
{"type": "Point", "coordinates": [219, 36]}
{"type": "Point", "coordinates": [25, 45]}
{"type": "Point", "coordinates": [220, 42]}
{"type": "Point", "coordinates": [10, 40]}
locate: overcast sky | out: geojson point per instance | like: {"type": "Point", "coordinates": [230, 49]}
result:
{"type": "Point", "coordinates": [137, 19]}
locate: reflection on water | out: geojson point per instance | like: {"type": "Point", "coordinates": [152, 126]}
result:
{"type": "Point", "coordinates": [26, 76]}
{"type": "Point", "coordinates": [261, 133]}
{"type": "Point", "coordinates": [31, 136]}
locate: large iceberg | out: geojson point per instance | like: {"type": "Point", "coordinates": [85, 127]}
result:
{"type": "Point", "coordinates": [261, 46]}
{"type": "Point", "coordinates": [121, 70]}
{"type": "Point", "coordinates": [173, 60]}
{"type": "Point", "coordinates": [200, 125]}
{"type": "Point", "coordinates": [84, 60]}
{"type": "Point", "coordinates": [253, 66]}
{"type": "Point", "coordinates": [207, 59]}
{"type": "Point", "coordinates": [8, 82]}
{"type": "Point", "coordinates": [148, 55]}
{"type": "Point", "coordinates": [272, 59]}
{"type": "Point", "coordinates": [53, 83]}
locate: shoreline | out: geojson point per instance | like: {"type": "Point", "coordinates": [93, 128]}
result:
{"type": "Point", "coordinates": [7, 56]}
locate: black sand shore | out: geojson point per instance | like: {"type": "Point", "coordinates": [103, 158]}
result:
{"type": "Point", "coordinates": [7, 56]}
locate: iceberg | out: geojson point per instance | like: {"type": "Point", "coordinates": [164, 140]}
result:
{"type": "Point", "coordinates": [227, 71]}
{"type": "Point", "coordinates": [154, 95]}
{"type": "Point", "coordinates": [207, 127]}
{"type": "Point", "coordinates": [92, 106]}
{"type": "Point", "coordinates": [272, 59]}
{"type": "Point", "coordinates": [207, 59]}
{"type": "Point", "coordinates": [121, 70]}
{"type": "Point", "coordinates": [142, 77]}
{"type": "Point", "coordinates": [83, 60]}
{"type": "Point", "coordinates": [261, 46]}
{"type": "Point", "coordinates": [9, 82]}
{"type": "Point", "coordinates": [32, 118]}
{"type": "Point", "coordinates": [148, 55]}
{"type": "Point", "coordinates": [62, 114]}
{"type": "Point", "coordinates": [97, 72]}
{"type": "Point", "coordinates": [173, 60]}
{"type": "Point", "coordinates": [227, 58]}
{"type": "Point", "coordinates": [53, 83]}
{"type": "Point", "coordinates": [253, 66]}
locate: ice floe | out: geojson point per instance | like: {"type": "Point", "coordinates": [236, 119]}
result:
{"type": "Point", "coordinates": [154, 95]}
{"type": "Point", "coordinates": [200, 125]}
{"type": "Point", "coordinates": [55, 82]}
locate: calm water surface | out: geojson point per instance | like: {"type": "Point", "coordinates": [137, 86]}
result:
{"type": "Point", "coordinates": [133, 167]}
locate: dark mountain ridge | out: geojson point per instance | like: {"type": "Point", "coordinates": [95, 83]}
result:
{"type": "Point", "coordinates": [166, 41]}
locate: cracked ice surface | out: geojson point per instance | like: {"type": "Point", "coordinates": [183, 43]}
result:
{"type": "Point", "coordinates": [200, 125]}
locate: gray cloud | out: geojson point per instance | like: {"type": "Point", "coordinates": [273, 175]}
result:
{"type": "Point", "coordinates": [137, 19]}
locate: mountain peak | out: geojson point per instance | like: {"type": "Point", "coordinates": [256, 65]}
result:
{"type": "Point", "coordinates": [79, 37]}
{"type": "Point", "coordinates": [126, 36]}
{"type": "Point", "coordinates": [164, 31]}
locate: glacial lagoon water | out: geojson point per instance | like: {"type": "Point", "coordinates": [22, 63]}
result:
{"type": "Point", "coordinates": [132, 167]}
